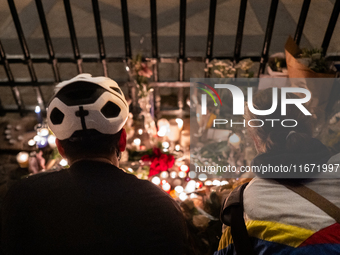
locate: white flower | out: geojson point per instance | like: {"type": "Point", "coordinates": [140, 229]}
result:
{"type": "Point", "coordinates": [219, 73]}
{"type": "Point", "coordinates": [245, 64]}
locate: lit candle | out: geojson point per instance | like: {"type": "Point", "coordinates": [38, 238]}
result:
{"type": "Point", "coordinates": [165, 145]}
{"type": "Point", "coordinates": [137, 142]}
{"type": "Point", "coordinates": [163, 123]}
{"type": "Point", "coordinates": [179, 189]}
{"type": "Point", "coordinates": [166, 186]}
{"type": "Point", "coordinates": [174, 133]}
{"type": "Point", "coordinates": [234, 140]}
{"type": "Point", "coordinates": [173, 174]}
{"type": "Point", "coordinates": [164, 174]}
{"type": "Point", "coordinates": [38, 112]}
{"type": "Point", "coordinates": [191, 186]}
{"type": "Point", "coordinates": [224, 183]}
{"type": "Point", "coordinates": [31, 142]}
{"type": "Point", "coordinates": [37, 138]}
{"type": "Point", "coordinates": [162, 131]}
{"type": "Point", "coordinates": [192, 174]}
{"type": "Point", "coordinates": [51, 141]}
{"type": "Point", "coordinates": [156, 180]}
{"type": "Point", "coordinates": [43, 132]}
{"type": "Point", "coordinates": [42, 143]}
{"type": "Point", "coordinates": [185, 138]}
{"type": "Point", "coordinates": [179, 123]}
{"type": "Point", "coordinates": [22, 159]}
{"type": "Point", "coordinates": [202, 177]}
{"type": "Point", "coordinates": [183, 196]}
{"type": "Point", "coordinates": [63, 162]}
{"type": "Point", "coordinates": [163, 127]}
{"type": "Point", "coordinates": [182, 174]}
{"type": "Point", "coordinates": [184, 168]}
{"type": "Point", "coordinates": [216, 183]}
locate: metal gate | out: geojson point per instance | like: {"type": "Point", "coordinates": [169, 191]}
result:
{"type": "Point", "coordinates": [155, 59]}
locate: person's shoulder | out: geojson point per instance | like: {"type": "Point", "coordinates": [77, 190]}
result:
{"type": "Point", "coordinates": [23, 186]}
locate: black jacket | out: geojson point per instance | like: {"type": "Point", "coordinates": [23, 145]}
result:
{"type": "Point", "coordinates": [90, 208]}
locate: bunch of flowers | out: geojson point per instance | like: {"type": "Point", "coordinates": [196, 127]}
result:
{"type": "Point", "coordinates": [226, 68]}
{"type": "Point", "coordinates": [159, 161]}
{"type": "Point", "coordinates": [314, 59]}
{"type": "Point", "coordinates": [221, 68]}
{"type": "Point", "coordinates": [141, 74]}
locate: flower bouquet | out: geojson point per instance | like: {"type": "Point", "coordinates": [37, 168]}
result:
{"type": "Point", "coordinates": [158, 161]}
{"type": "Point", "coordinates": [310, 64]}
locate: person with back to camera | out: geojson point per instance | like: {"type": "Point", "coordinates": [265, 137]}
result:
{"type": "Point", "coordinates": [296, 215]}
{"type": "Point", "coordinates": [93, 207]}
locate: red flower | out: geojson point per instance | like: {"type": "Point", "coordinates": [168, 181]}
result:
{"type": "Point", "coordinates": [145, 71]}
{"type": "Point", "coordinates": [159, 161]}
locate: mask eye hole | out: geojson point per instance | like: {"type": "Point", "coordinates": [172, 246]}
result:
{"type": "Point", "coordinates": [57, 116]}
{"type": "Point", "coordinates": [110, 110]}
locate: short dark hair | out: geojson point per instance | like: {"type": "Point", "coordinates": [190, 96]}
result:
{"type": "Point", "coordinates": [91, 143]}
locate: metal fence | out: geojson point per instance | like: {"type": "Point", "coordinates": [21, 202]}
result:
{"type": "Point", "coordinates": [181, 58]}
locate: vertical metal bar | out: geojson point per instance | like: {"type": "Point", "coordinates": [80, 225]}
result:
{"type": "Point", "coordinates": [239, 34]}
{"type": "Point", "coordinates": [331, 26]}
{"type": "Point", "coordinates": [182, 25]}
{"type": "Point", "coordinates": [211, 33]}
{"type": "Point", "coordinates": [9, 74]}
{"type": "Point", "coordinates": [48, 40]}
{"type": "Point", "coordinates": [100, 37]}
{"type": "Point", "coordinates": [154, 43]}
{"type": "Point", "coordinates": [27, 55]}
{"type": "Point", "coordinates": [302, 20]}
{"type": "Point", "coordinates": [268, 36]}
{"type": "Point", "coordinates": [183, 13]}
{"type": "Point", "coordinates": [126, 27]}
{"type": "Point", "coordinates": [73, 35]}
